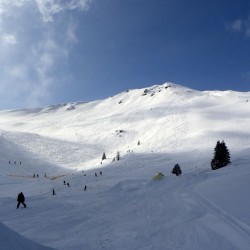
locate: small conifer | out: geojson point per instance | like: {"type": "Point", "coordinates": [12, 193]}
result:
{"type": "Point", "coordinates": [176, 170]}
{"type": "Point", "coordinates": [118, 156]}
{"type": "Point", "coordinates": [104, 156]}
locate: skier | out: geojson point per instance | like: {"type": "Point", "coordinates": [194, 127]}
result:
{"type": "Point", "coordinates": [100, 172]}
{"type": "Point", "coordinates": [85, 188]}
{"type": "Point", "coordinates": [20, 199]}
{"type": "Point", "coordinates": [95, 174]}
{"type": "Point", "coordinates": [54, 192]}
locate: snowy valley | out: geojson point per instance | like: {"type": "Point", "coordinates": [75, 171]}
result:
{"type": "Point", "coordinates": [124, 208]}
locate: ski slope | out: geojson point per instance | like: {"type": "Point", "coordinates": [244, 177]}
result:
{"type": "Point", "coordinates": [124, 208]}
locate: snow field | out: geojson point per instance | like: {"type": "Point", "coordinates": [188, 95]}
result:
{"type": "Point", "coordinates": [124, 208]}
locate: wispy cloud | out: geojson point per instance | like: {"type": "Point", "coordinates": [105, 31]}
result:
{"type": "Point", "coordinates": [49, 8]}
{"type": "Point", "coordinates": [33, 49]}
{"type": "Point", "coordinates": [240, 26]}
{"type": "Point", "coordinates": [9, 39]}
{"type": "Point", "coordinates": [7, 6]}
{"type": "Point", "coordinates": [247, 24]}
{"type": "Point", "coordinates": [236, 25]}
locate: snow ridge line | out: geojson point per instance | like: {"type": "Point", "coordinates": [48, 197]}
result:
{"type": "Point", "coordinates": [242, 227]}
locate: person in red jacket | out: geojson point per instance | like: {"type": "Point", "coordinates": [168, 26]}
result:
{"type": "Point", "coordinates": [20, 199]}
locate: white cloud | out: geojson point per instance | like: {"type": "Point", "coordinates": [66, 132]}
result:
{"type": "Point", "coordinates": [6, 6]}
{"type": "Point", "coordinates": [34, 48]}
{"type": "Point", "coordinates": [71, 33]}
{"type": "Point", "coordinates": [240, 26]}
{"type": "Point", "coordinates": [237, 25]}
{"type": "Point", "coordinates": [49, 8]}
{"type": "Point", "coordinates": [247, 27]}
{"type": "Point", "coordinates": [9, 39]}
{"type": "Point", "coordinates": [75, 4]}
{"type": "Point", "coordinates": [248, 32]}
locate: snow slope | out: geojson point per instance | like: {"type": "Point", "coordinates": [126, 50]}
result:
{"type": "Point", "coordinates": [124, 208]}
{"type": "Point", "coordinates": [12, 240]}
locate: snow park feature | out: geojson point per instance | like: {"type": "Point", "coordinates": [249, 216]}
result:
{"type": "Point", "coordinates": [124, 208]}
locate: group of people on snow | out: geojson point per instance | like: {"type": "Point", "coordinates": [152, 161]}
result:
{"type": "Point", "coordinates": [15, 162]}
{"type": "Point", "coordinates": [21, 198]}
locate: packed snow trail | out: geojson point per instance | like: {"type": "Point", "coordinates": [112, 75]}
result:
{"type": "Point", "coordinates": [118, 212]}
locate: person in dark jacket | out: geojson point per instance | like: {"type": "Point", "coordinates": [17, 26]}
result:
{"type": "Point", "coordinates": [20, 199]}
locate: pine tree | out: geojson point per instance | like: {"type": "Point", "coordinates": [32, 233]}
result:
{"type": "Point", "coordinates": [104, 156]}
{"type": "Point", "coordinates": [221, 156]}
{"type": "Point", "coordinates": [177, 170]}
{"type": "Point", "coordinates": [118, 157]}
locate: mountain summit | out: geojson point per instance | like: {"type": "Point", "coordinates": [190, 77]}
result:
{"type": "Point", "coordinates": [128, 172]}
{"type": "Point", "coordinates": [165, 118]}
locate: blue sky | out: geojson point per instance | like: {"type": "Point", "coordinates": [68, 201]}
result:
{"type": "Point", "coordinates": [55, 51]}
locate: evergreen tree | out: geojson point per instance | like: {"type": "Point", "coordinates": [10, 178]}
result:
{"type": "Point", "coordinates": [177, 170]}
{"type": "Point", "coordinates": [104, 156]}
{"type": "Point", "coordinates": [221, 156]}
{"type": "Point", "coordinates": [118, 157]}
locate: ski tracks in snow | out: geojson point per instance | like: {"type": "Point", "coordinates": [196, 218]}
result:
{"type": "Point", "coordinates": [230, 232]}
{"type": "Point", "coordinates": [225, 224]}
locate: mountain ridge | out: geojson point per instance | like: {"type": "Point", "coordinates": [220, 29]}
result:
{"type": "Point", "coordinates": [165, 118]}
{"type": "Point", "coordinates": [152, 130]}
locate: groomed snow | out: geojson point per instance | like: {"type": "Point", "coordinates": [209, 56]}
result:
{"type": "Point", "coordinates": [124, 208]}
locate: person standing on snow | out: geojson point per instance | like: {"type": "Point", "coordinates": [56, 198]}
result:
{"type": "Point", "coordinates": [20, 199]}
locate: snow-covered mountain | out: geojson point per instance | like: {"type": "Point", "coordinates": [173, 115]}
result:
{"type": "Point", "coordinates": [152, 128]}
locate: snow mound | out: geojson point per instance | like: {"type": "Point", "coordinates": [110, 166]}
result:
{"type": "Point", "coordinates": [12, 240]}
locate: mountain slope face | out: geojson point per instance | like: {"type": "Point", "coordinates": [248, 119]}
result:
{"type": "Point", "coordinates": [169, 119]}
{"type": "Point", "coordinates": [124, 208]}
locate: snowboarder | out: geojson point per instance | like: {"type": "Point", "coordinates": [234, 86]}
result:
{"type": "Point", "coordinates": [85, 188]}
{"type": "Point", "coordinates": [20, 199]}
